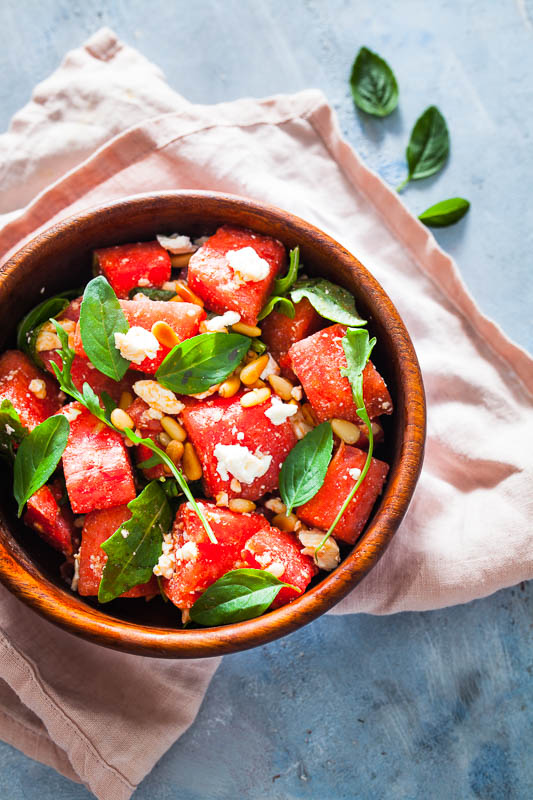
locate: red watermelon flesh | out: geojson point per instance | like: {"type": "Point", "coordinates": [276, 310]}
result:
{"type": "Point", "coordinates": [150, 428]}
{"type": "Point", "coordinates": [279, 332]}
{"type": "Point", "coordinates": [129, 265]}
{"type": "Point", "coordinates": [16, 374]}
{"type": "Point", "coordinates": [53, 522]}
{"type": "Point", "coordinates": [82, 371]}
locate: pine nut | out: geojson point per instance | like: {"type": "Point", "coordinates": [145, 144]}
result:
{"type": "Point", "coordinates": [259, 384]}
{"type": "Point", "coordinates": [46, 340]}
{"type": "Point", "coordinates": [176, 299]}
{"type": "Point", "coordinates": [175, 451]}
{"type": "Point", "coordinates": [251, 372]}
{"type": "Point", "coordinates": [246, 330]}
{"type": "Point", "coordinates": [276, 505]}
{"type": "Point", "coordinates": [281, 386]}
{"type": "Point", "coordinates": [186, 294]}
{"type": "Point", "coordinates": [164, 334]}
{"type": "Point", "coordinates": [120, 419]}
{"type": "Point", "coordinates": [173, 429]}
{"type": "Point", "coordinates": [191, 463]}
{"type": "Point", "coordinates": [164, 439]}
{"type": "Point", "coordinates": [235, 485]}
{"type": "Point", "coordinates": [250, 356]}
{"type": "Point", "coordinates": [255, 397]}
{"type": "Point", "coordinates": [285, 523]}
{"type": "Point", "coordinates": [230, 386]}
{"type": "Point", "coordinates": [345, 430]}
{"type": "Point", "coordinates": [126, 399]}
{"type": "Point", "coordinates": [309, 414]}
{"type": "Point", "coordinates": [241, 506]}
{"type": "Point", "coordinates": [377, 430]}
{"type": "Point", "coordinates": [179, 260]}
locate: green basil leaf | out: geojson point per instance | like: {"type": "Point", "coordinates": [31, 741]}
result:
{"type": "Point", "coordinates": [152, 294]}
{"type": "Point", "coordinates": [153, 461]}
{"type": "Point", "coordinates": [329, 300]}
{"type": "Point", "coordinates": [282, 285]}
{"type": "Point", "coordinates": [198, 363]}
{"type": "Point", "coordinates": [281, 304]}
{"type": "Point", "coordinates": [445, 213]}
{"type": "Point", "coordinates": [100, 318]}
{"type": "Point", "coordinates": [428, 146]}
{"type": "Point", "coordinates": [239, 595]}
{"type": "Point", "coordinates": [357, 347]}
{"type": "Point", "coordinates": [38, 456]}
{"type": "Point", "coordinates": [134, 549]}
{"type": "Point", "coordinates": [12, 431]}
{"type": "Point", "coordinates": [304, 469]}
{"type": "Point", "coordinates": [374, 87]}
{"type": "Point", "coordinates": [51, 307]}
{"type": "Point", "coordinates": [258, 346]}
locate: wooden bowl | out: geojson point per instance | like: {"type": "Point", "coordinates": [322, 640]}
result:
{"type": "Point", "coordinates": [60, 258]}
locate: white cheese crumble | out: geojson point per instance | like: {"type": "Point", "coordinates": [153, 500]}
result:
{"type": "Point", "coordinates": [9, 429]}
{"type": "Point", "coordinates": [200, 241]}
{"type": "Point", "coordinates": [271, 368]}
{"type": "Point", "coordinates": [297, 393]}
{"type": "Point", "coordinates": [137, 344]}
{"type": "Point", "coordinates": [187, 552]}
{"type": "Point", "coordinates": [72, 413]}
{"type": "Point", "coordinates": [176, 243]}
{"type": "Point", "coordinates": [240, 462]}
{"type": "Point", "coordinates": [158, 397]}
{"type": "Point", "coordinates": [166, 563]}
{"type": "Point", "coordinates": [354, 473]}
{"type": "Point", "coordinates": [220, 323]}
{"type": "Point", "coordinates": [125, 533]}
{"type": "Point", "coordinates": [38, 388]}
{"type": "Point", "coordinates": [276, 568]}
{"type": "Point", "coordinates": [279, 412]}
{"type": "Point", "coordinates": [328, 556]}
{"type": "Point", "coordinates": [248, 265]}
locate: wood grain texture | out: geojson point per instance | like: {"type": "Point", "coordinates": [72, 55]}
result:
{"type": "Point", "coordinates": [60, 258]}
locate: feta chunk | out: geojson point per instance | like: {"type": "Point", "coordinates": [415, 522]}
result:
{"type": "Point", "coordinates": [271, 368]}
{"type": "Point", "coordinates": [279, 412]}
{"type": "Point", "coordinates": [328, 556]}
{"type": "Point", "coordinates": [158, 397]}
{"type": "Point", "coordinates": [354, 473]}
{"type": "Point", "coordinates": [220, 323]}
{"type": "Point", "coordinates": [176, 243]}
{"type": "Point", "coordinates": [38, 388]}
{"type": "Point", "coordinates": [137, 344]}
{"type": "Point", "coordinates": [248, 265]}
{"type": "Point", "coordinates": [240, 462]}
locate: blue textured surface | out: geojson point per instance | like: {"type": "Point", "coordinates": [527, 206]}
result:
{"type": "Point", "coordinates": [434, 705]}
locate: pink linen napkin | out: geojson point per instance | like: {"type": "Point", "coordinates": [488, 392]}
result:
{"type": "Point", "coordinates": [468, 531]}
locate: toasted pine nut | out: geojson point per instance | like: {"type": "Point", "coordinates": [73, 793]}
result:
{"type": "Point", "coordinates": [120, 419]}
{"type": "Point", "coordinates": [250, 356]}
{"type": "Point", "coordinates": [259, 384]}
{"type": "Point", "coordinates": [241, 506]}
{"type": "Point", "coordinates": [186, 294]}
{"type": "Point", "coordinates": [167, 470]}
{"type": "Point", "coordinates": [164, 334]}
{"type": "Point", "coordinates": [180, 259]}
{"type": "Point", "coordinates": [251, 372]}
{"type": "Point", "coordinates": [175, 450]}
{"type": "Point", "coordinates": [377, 430]}
{"type": "Point", "coordinates": [276, 505]}
{"type": "Point", "coordinates": [281, 386]}
{"type": "Point", "coordinates": [46, 340]}
{"type": "Point", "coordinates": [235, 485]}
{"type": "Point", "coordinates": [309, 414]}
{"type": "Point", "coordinates": [174, 429]}
{"type": "Point", "coordinates": [285, 523]}
{"type": "Point", "coordinates": [126, 399]}
{"type": "Point", "coordinates": [164, 439]}
{"type": "Point", "coordinates": [345, 430]}
{"type": "Point", "coordinates": [230, 386]}
{"type": "Point", "coordinates": [255, 397]}
{"type": "Point", "coordinates": [246, 330]}
{"type": "Point", "coordinates": [176, 299]}
{"type": "Point", "coordinates": [191, 463]}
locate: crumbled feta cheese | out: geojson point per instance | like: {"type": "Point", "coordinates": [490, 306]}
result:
{"type": "Point", "coordinates": [222, 499]}
{"type": "Point", "coordinates": [271, 368]}
{"type": "Point", "coordinates": [354, 473]}
{"type": "Point", "coordinates": [277, 568]}
{"type": "Point", "coordinates": [72, 413]}
{"type": "Point", "coordinates": [328, 556]}
{"type": "Point", "coordinates": [125, 533]}
{"type": "Point", "coordinates": [240, 462]}
{"type": "Point", "coordinates": [137, 344]}
{"type": "Point", "coordinates": [9, 429]}
{"type": "Point", "coordinates": [143, 282]}
{"type": "Point", "coordinates": [176, 243]}
{"type": "Point", "coordinates": [220, 323]}
{"type": "Point", "coordinates": [187, 552]}
{"type": "Point", "coordinates": [158, 397]}
{"type": "Point", "coordinates": [153, 413]}
{"type": "Point", "coordinates": [200, 241]}
{"type": "Point", "coordinates": [47, 340]}
{"type": "Point", "coordinates": [297, 393]}
{"type": "Point", "coordinates": [279, 412]}
{"type": "Point", "coordinates": [386, 406]}
{"type": "Point", "coordinates": [185, 616]}
{"type": "Point", "coordinates": [76, 576]}
{"type": "Point", "coordinates": [38, 388]}
{"type": "Point", "coordinates": [240, 436]}
{"type": "Point", "coordinates": [248, 265]}
{"type": "Point", "coordinates": [235, 485]}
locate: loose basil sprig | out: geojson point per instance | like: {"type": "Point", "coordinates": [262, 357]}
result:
{"type": "Point", "coordinates": [100, 318]}
{"type": "Point", "coordinates": [198, 363]}
{"type": "Point", "coordinates": [90, 400]}
{"type": "Point", "coordinates": [152, 294]}
{"type": "Point", "coordinates": [38, 456]}
{"type": "Point", "coordinates": [304, 469]}
{"type": "Point", "coordinates": [278, 300]}
{"type": "Point", "coordinates": [134, 549]}
{"type": "Point", "coordinates": [329, 300]}
{"type": "Point", "coordinates": [12, 431]}
{"type": "Point", "coordinates": [40, 314]}
{"type": "Point", "coordinates": [428, 146]}
{"type": "Point", "coordinates": [281, 304]}
{"type": "Point", "coordinates": [445, 213]}
{"type": "Point", "coordinates": [357, 347]}
{"type": "Point", "coordinates": [374, 87]}
{"type": "Point", "coordinates": [239, 595]}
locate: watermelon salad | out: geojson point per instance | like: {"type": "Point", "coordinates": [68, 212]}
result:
{"type": "Point", "coordinates": [198, 422]}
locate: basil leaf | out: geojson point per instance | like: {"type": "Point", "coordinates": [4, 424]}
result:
{"type": "Point", "coordinates": [51, 307]}
{"type": "Point", "coordinates": [428, 146]}
{"type": "Point", "coordinates": [329, 300]}
{"type": "Point", "coordinates": [38, 456]}
{"type": "Point", "coordinates": [304, 469]}
{"type": "Point", "coordinates": [100, 318]}
{"type": "Point", "coordinates": [12, 431]}
{"type": "Point", "coordinates": [152, 294]}
{"type": "Point", "coordinates": [284, 306]}
{"type": "Point", "coordinates": [239, 595]}
{"type": "Point", "coordinates": [374, 87]}
{"type": "Point", "coordinates": [282, 285]}
{"type": "Point", "coordinates": [445, 213]}
{"type": "Point", "coordinates": [258, 346]}
{"type": "Point", "coordinates": [357, 348]}
{"type": "Point", "coordinates": [134, 549]}
{"type": "Point", "coordinates": [198, 363]}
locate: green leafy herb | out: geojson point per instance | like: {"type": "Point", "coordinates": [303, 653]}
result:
{"type": "Point", "coordinates": [100, 318]}
{"type": "Point", "coordinates": [239, 595]}
{"type": "Point", "coordinates": [12, 431]}
{"type": "Point", "coordinates": [428, 146]}
{"type": "Point", "coordinates": [282, 285]}
{"type": "Point", "coordinates": [258, 346]}
{"type": "Point", "coordinates": [42, 313]}
{"type": "Point", "coordinates": [152, 294]}
{"type": "Point", "coordinates": [134, 549]}
{"type": "Point", "coordinates": [38, 456]}
{"type": "Point", "coordinates": [304, 469]}
{"type": "Point", "coordinates": [445, 213]}
{"type": "Point", "coordinates": [199, 363]}
{"type": "Point", "coordinates": [374, 87]}
{"type": "Point", "coordinates": [281, 304]}
{"type": "Point", "coordinates": [329, 300]}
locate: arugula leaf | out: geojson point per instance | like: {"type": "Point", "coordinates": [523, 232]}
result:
{"type": "Point", "coordinates": [282, 285]}
{"type": "Point", "coordinates": [12, 431]}
{"type": "Point", "coordinates": [239, 595]}
{"type": "Point", "coordinates": [134, 549]}
{"type": "Point", "coordinates": [38, 456]}
{"type": "Point", "coordinates": [304, 469]}
{"type": "Point", "coordinates": [198, 363]}
{"type": "Point", "coordinates": [152, 294]}
{"type": "Point", "coordinates": [445, 213]}
{"type": "Point", "coordinates": [428, 146]}
{"type": "Point", "coordinates": [374, 87]}
{"type": "Point", "coordinates": [42, 313]}
{"type": "Point", "coordinates": [329, 300]}
{"type": "Point", "coordinates": [100, 318]}
{"type": "Point", "coordinates": [284, 306]}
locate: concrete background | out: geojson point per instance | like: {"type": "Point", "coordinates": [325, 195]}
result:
{"type": "Point", "coordinates": [434, 705]}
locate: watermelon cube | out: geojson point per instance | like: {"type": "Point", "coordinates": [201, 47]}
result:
{"type": "Point", "coordinates": [129, 265]}
{"type": "Point", "coordinates": [223, 421]}
{"type": "Point", "coordinates": [343, 471]}
{"type": "Point", "coordinates": [150, 428]}
{"type": "Point", "coordinates": [318, 360]}
{"type": "Point", "coordinates": [53, 522]}
{"type": "Point", "coordinates": [280, 332]}
{"type": "Point", "coordinates": [280, 553]}
{"type": "Point", "coordinates": [224, 288]}
{"type": "Point", "coordinates": [97, 527]}
{"type": "Point", "coordinates": [34, 395]}
{"type": "Point", "coordinates": [82, 371]}
{"type": "Point", "coordinates": [96, 463]}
